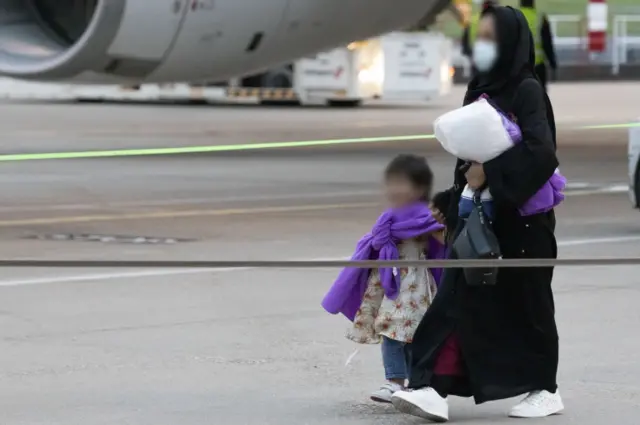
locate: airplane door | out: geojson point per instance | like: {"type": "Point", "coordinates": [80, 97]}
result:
{"type": "Point", "coordinates": [159, 25]}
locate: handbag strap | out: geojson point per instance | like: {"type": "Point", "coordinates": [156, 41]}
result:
{"type": "Point", "coordinates": [477, 194]}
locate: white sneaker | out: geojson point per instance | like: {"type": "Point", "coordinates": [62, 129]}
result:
{"type": "Point", "coordinates": [425, 403]}
{"type": "Point", "coordinates": [538, 404]}
{"type": "Point", "coordinates": [383, 395]}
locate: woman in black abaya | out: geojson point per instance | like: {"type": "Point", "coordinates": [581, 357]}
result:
{"type": "Point", "coordinates": [497, 342]}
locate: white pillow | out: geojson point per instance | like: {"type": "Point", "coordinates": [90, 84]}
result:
{"type": "Point", "coordinates": [473, 133]}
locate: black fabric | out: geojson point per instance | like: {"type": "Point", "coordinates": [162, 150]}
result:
{"type": "Point", "coordinates": [507, 331]}
{"type": "Point", "coordinates": [448, 384]}
{"type": "Point", "coordinates": [467, 45]}
{"type": "Point", "coordinates": [543, 76]}
{"type": "Point", "coordinates": [546, 36]}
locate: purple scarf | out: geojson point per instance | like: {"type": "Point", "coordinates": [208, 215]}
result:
{"type": "Point", "coordinates": [392, 227]}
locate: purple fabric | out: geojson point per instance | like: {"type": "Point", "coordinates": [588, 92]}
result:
{"type": "Point", "coordinates": [392, 227]}
{"type": "Point", "coordinates": [512, 128]}
{"type": "Point", "coordinates": [547, 198]}
{"type": "Point", "coordinates": [550, 195]}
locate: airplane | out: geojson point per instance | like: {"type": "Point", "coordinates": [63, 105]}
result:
{"type": "Point", "coordinates": [156, 41]}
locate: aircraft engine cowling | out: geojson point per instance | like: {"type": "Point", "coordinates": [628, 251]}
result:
{"type": "Point", "coordinates": [156, 41]}
{"type": "Point", "coordinates": [58, 39]}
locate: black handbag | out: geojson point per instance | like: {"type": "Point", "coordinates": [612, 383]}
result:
{"type": "Point", "coordinates": [477, 241]}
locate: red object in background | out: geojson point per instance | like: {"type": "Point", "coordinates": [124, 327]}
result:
{"type": "Point", "coordinates": [488, 3]}
{"type": "Point", "coordinates": [597, 15]}
{"type": "Point", "coordinates": [597, 41]}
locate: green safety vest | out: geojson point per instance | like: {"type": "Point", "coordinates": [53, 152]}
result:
{"type": "Point", "coordinates": [473, 27]}
{"type": "Point", "coordinates": [532, 19]}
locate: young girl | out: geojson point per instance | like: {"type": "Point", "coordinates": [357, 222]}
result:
{"type": "Point", "coordinates": [386, 305]}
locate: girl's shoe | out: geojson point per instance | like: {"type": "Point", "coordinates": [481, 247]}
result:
{"type": "Point", "coordinates": [384, 393]}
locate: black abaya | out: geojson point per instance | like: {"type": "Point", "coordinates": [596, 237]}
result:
{"type": "Point", "coordinates": [507, 332]}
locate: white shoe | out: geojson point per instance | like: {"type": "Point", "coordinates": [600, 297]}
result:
{"type": "Point", "coordinates": [538, 404]}
{"type": "Point", "coordinates": [383, 395]}
{"type": "Point", "coordinates": [425, 403]}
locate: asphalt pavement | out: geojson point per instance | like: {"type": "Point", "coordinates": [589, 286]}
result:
{"type": "Point", "coordinates": [246, 346]}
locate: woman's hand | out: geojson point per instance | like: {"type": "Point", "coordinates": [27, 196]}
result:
{"type": "Point", "coordinates": [475, 176]}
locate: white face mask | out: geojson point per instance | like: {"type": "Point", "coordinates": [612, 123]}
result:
{"type": "Point", "coordinates": [485, 54]}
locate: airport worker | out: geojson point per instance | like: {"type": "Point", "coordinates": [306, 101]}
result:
{"type": "Point", "coordinates": [543, 40]}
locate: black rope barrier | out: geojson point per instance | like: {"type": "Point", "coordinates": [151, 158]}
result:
{"type": "Point", "coordinates": [198, 264]}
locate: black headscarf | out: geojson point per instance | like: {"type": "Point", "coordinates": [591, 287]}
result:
{"type": "Point", "coordinates": [516, 59]}
{"type": "Point", "coordinates": [516, 53]}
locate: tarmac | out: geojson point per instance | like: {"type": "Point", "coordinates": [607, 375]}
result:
{"type": "Point", "coordinates": [247, 346]}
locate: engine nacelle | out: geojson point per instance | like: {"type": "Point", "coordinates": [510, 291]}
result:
{"type": "Point", "coordinates": [56, 39]}
{"type": "Point", "coordinates": [122, 41]}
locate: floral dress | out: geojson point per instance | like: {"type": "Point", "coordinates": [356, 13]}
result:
{"type": "Point", "coordinates": [396, 319]}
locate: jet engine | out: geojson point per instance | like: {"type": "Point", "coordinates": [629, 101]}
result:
{"type": "Point", "coordinates": [56, 39]}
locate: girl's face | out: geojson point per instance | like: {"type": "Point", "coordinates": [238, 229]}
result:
{"type": "Point", "coordinates": [399, 191]}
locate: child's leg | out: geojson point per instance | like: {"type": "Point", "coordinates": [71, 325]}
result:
{"type": "Point", "coordinates": [395, 370]}
{"type": "Point", "coordinates": [394, 360]}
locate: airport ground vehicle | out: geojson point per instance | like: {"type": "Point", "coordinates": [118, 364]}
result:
{"type": "Point", "coordinates": [400, 66]}
{"type": "Point", "coordinates": [634, 166]}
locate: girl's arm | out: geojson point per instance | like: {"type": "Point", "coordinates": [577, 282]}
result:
{"type": "Point", "coordinates": [446, 202]}
{"type": "Point", "coordinates": [440, 236]}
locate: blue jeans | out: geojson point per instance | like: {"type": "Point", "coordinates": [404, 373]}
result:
{"type": "Point", "coordinates": [396, 356]}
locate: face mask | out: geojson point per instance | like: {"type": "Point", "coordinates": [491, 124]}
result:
{"type": "Point", "coordinates": [485, 54]}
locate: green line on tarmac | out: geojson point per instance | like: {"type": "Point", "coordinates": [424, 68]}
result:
{"type": "Point", "coordinates": [241, 147]}
{"type": "Point", "coordinates": [205, 149]}
{"type": "Point", "coordinates": [610, 126]}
